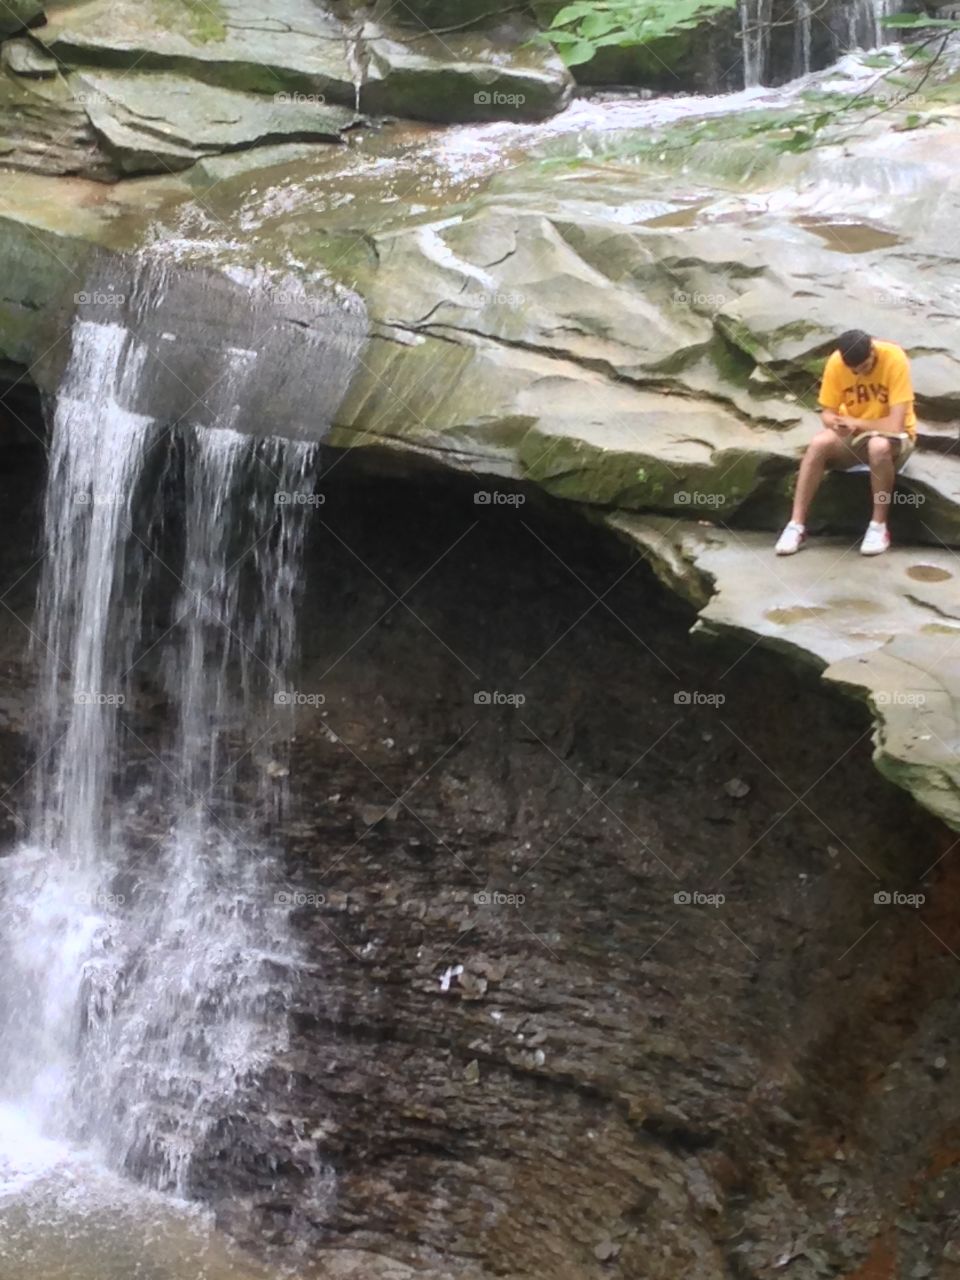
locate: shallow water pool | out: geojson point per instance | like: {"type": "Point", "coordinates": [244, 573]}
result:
{"type": "Point", "coordinates": [65, 1217]}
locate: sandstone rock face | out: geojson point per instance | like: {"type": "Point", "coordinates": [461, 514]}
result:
{"type": "Point", "coordinates": [161, 120]}
{"type": "Point", "coordinates": [302, 48]}
{"type": "Point", "coordinates": [528, 1039]}
{"type": "Point", "coordinates": [622, 327]}
{"type": "Point", "coordinates": [43, 128]}
{"type": "Point", "coordinates": [155, 87]}
{"type": "Point", "coordinates": [580, 327]}
{"type": "Point", "coordinates": [885, 630]}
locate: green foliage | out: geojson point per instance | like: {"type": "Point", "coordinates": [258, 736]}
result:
{"type": "Point", "coordinates": [907, 20]}
{"type": "Point", "coordinates": [580, 29]}
{"type": "Point", "coordinates": [202, 21]}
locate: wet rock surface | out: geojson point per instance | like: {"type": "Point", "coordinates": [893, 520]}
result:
{"type": "Point", "coordinates": [573, 322]}
{"type": "Point", "coordinates": [300, 50]}
{"type": "Point", "coordinates": [532, 1040]}
{"type": "Point", "coordinates": [623, 978]}
{"type": "Point", "coordinates": [883, 631]}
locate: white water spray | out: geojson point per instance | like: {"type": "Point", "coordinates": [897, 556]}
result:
{"type": "Point", "coordinates": [755, 18]}
{"type": "Point", "coordinates": [144, 959]}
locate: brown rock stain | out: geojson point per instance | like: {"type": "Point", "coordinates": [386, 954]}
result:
{"type": "Point", "coordinates": [880, 1263]}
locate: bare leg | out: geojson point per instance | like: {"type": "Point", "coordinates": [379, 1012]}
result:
{"type": "Point", "coordinates": [826, 449]}
{"type": "Point", "coordinates": [883, 475]}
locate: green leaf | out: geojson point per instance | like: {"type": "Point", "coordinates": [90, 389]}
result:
{"type": "Point", "coordinates": [573, 13]}
{"type": "Point", "coordinates": [576, 54]}
{"type": "Point", "coordinates": [903, 20]}
{"type": "Point", "coordinates": [596, 25]}
{"type": "Point", "coordinates": [627, 23]}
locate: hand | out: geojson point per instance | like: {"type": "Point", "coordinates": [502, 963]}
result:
{"type": "Point", "coordinates": [844, 426]}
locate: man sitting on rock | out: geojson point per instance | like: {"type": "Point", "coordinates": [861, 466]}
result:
{"type": "Point", "coordinates": [866, 402]}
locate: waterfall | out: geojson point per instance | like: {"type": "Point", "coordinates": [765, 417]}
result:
{"type": "Point", "coordinates": [145, 958]}
{"type": "Point", "coordinates": [865, 23]}
{"type": "Point", "coordinates": [818, 29]}
{"type": "Point", "coordinates": [755, 19]}
{"type": "Point", "coordinates": [803, 53]}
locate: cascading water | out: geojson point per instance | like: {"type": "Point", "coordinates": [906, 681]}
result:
{"type": "Point", "coordinates": [803, 53]}
{"type": "Point", "coordinates": [144, 960]}
{"type": "Point", "coordinates": [865, 19]}
{"type": "Point", "coordinates": [755, 18]}
{"type": "Point", "coordinates": [820, 31]}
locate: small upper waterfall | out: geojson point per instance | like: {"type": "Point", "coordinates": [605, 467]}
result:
{"type": "Point", "coordinates": [866, 22]}
{"type": "Point", "coordinates": [755, 18]}
{"type": "Point", "coordinates": [803, 54]}
{"type": "Point", "coordinates": [781, 39]}
{"type": "Point", "coordinates": [144, 949]}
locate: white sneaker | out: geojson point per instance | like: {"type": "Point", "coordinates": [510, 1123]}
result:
{"type": "Point", "coordinates": [791, 540]}
{"type": "Point", "coordinates": [876, 540]}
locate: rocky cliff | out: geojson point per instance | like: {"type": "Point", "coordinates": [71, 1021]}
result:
{"type": "Point", "coordinates": [601, 340]}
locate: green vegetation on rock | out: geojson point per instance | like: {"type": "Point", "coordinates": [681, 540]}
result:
{"type": "Point", "coordinates": [200, 20]}
{"type": "Point", "coordinates": [580, 30]}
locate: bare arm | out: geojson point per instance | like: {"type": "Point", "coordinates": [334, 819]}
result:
{"type": "Point", "coordinates": [893, 423]}
{"type": "Point", "coordinates": [836, 422]}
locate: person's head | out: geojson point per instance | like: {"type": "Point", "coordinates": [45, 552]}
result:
{"type": "Point", "coordinates": [856, 350]}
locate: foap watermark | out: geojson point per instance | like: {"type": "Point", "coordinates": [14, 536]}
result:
{"type": "Point", "coordinates": [92, 98]}
{"type": "Point", "coordinates": [284, 99]}
{"type": "Point", "coordinates": [299, 898]}
{"type": "Point", "coordinates": [899, 698]}
{"type": "Point", "coordinates": [498, 498]}
{"type": "Point", "coordinates": [99, 298]}
{"type": "Point", "coordinates": [293, 698]}
{"type": "Point", "coordinates": [694, 898]}
{"type": "Point", "coordinates": [697, 698]}
{"type": "Point", "coordinates": [494, 698]}
{"type": "Point", "coordinates": [86, 498]}
{"type": "Point", "coordinates": [291, 298]}
{"type": "Point", "coordinates": [888, 297]}
{"type": "Point", "coordinates": [496, 98]}
{"type": "Point", "coordinates": [698, 498]}
{"type": "Point", "coordinates": [890, 96]}
{"type": "Point", "coordinates": [84, 699]}
{"type": "Point", "coordinates": [901, 498]}
{"type": "Point", "coordinates": [696, 298]}
{"type": "Point", "coordinates": [494, 898]}
{"type": "Point", "coordinates": [299, 498]}
{"type": "Point", "coordinates": [99, 898]}
{"type": "Point", "coordinates": [894, 898]}
{"type": "Point", "coordinates": [513, 300]}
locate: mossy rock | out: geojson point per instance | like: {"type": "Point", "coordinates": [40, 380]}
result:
{"type": "Point", "coordinates": [465, 79]}
{"type": "Point", "coordinates": [17, 14]}
{"type": "Point", "coordinates": [38, 268]}
{"type": "Point", "coordinates": [302, 48]}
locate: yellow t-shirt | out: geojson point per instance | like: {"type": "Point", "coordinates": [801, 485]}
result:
{"type": "Point", "coordinates": [870, 397]}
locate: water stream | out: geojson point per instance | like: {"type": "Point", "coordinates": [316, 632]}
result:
{"type": "Point", "coordinates": [145, 961]}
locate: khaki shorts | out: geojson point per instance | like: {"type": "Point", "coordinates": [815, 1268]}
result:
{"type": "Point", "coordinates": [858, 446]}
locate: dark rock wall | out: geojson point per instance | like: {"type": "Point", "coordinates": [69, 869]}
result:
{"type": "Point", "coordinates": [516, 1050]}
{"type": "Point", "coordinates": [616, 1078]}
